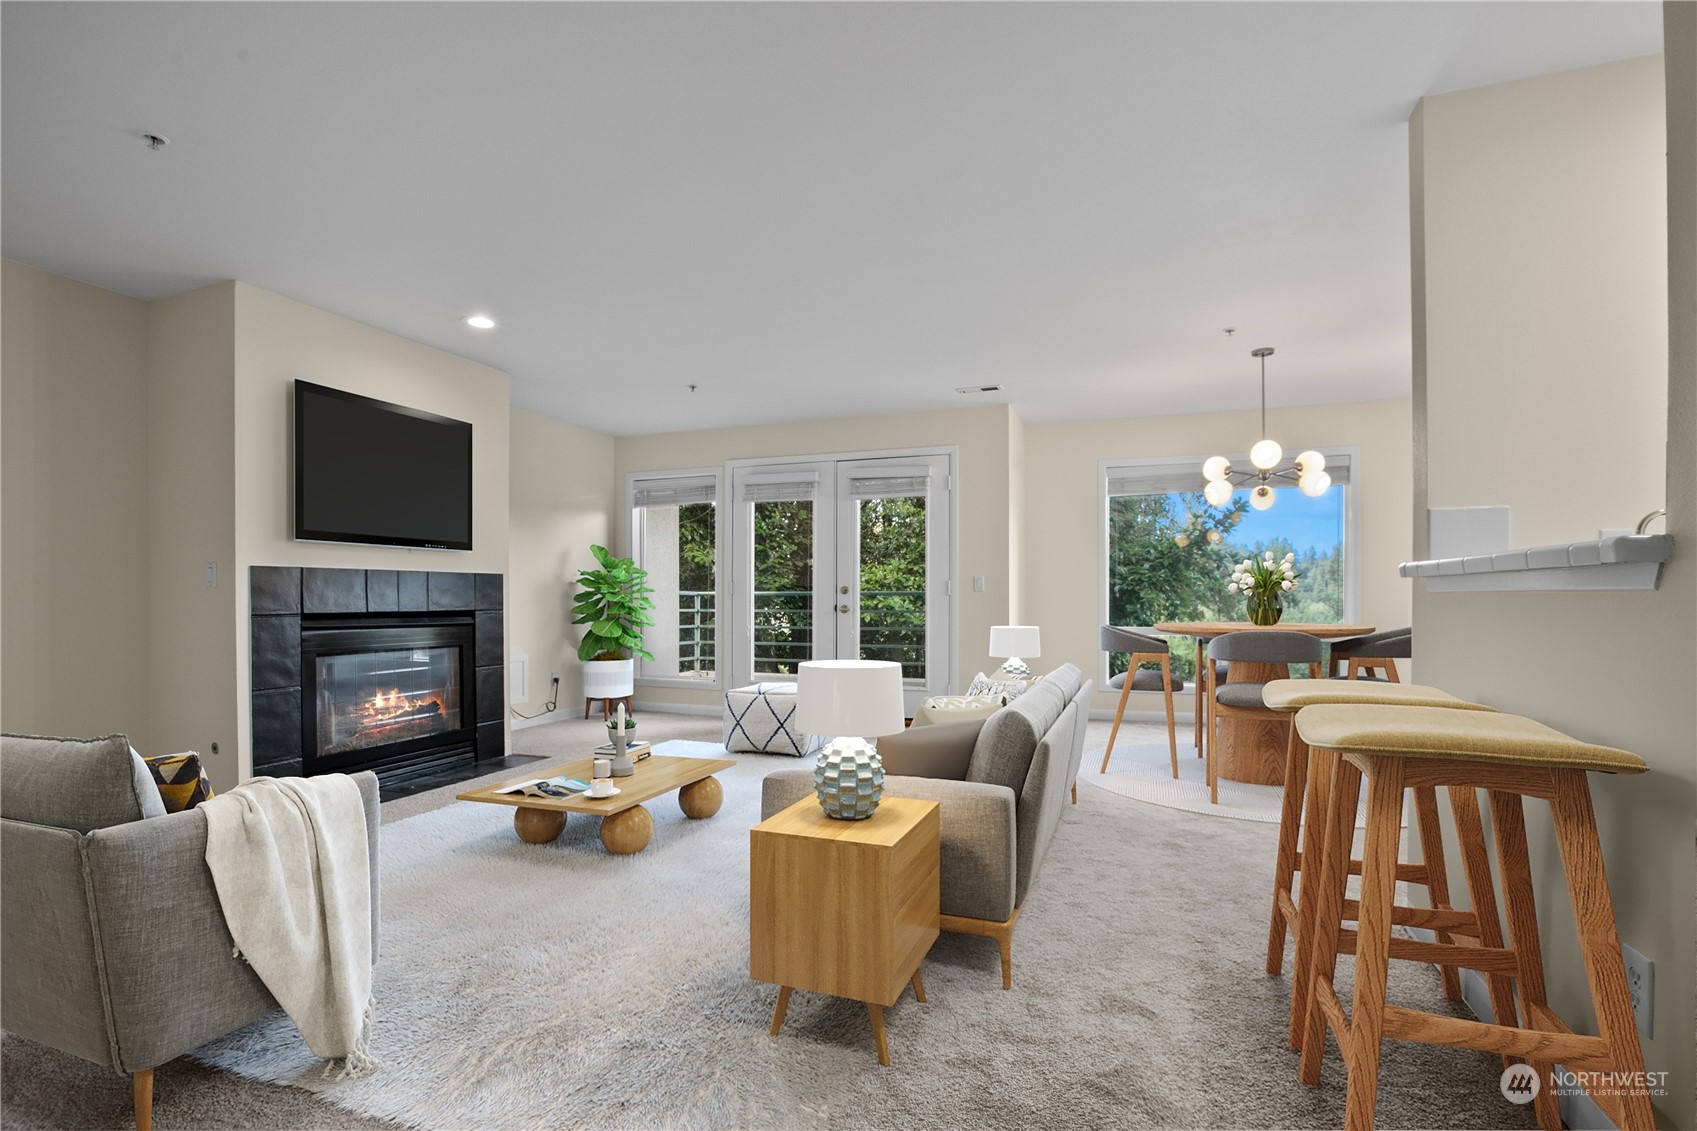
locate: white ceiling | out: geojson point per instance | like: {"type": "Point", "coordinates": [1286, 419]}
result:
{"type": "Point", "coordinates": [808, 210]}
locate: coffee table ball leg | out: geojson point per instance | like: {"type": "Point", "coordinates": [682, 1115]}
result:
{"type": "Point", "coordinates": [701, 799]}
{"type": "Point", "coordinates": [538, 826]}
{"type": "Point", "coordinates": [628, 831]}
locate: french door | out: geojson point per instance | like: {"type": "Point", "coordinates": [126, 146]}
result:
{"type": "Point", "coordinates": [847, 559]}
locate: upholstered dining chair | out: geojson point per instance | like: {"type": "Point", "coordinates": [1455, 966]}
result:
{"type": "Point", "coordinates": [1354, 656]}
{"type": "Point", "coordinates": [1242, 698]}
{"type": "Point", "coordinates": [1144, 647]}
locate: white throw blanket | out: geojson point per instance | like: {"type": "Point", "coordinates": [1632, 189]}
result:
{"type": "Point", "coordinates": [288, 857]}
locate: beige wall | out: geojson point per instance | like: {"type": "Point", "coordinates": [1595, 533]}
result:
{"type": "Point", "coordinates": [1546, 246]}
{"type": "Point", "coordinates": [73, 517]}
{"type": "Point", "coordinates": [278, 340]}
{"type": "Point", "coordinates": [1063, 566]}
{"type": "Point", "coordinates": [982, 498]}
{"type": "Point", "coordinates": [1541, 267]}
{"type": "Point", "coordinates": [562, 502]}
{"type": "Point", "coordinates": [191, 669]}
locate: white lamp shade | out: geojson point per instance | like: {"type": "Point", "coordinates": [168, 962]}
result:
{"type": "Point", "coordinates": [1261, 498]}
{"type": "Point", "coordinates": [1310, 461]}
{"type": "Point", "coordinates": [1266, 454]}
{"type": "Point", "coordinates": [858, 698]}
{"type": "Point", "coordinates": [1218, 493]}
{"type": "Point", "coordinates": [1314, 483]}
{"type": "Point", "coordinates": [1015, 640]}
{"type": "Point", "coordinates": [1216, 467]}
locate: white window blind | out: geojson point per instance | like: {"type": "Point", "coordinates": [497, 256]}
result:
{"type": "Point", "coordinates": [905, 482]}
{"type": "Point", "coordinates": [675, 491]}
{"type": "Point", "coordinates": [777, 486]}
{"type": "Point", "coordinates": [1163, 478]}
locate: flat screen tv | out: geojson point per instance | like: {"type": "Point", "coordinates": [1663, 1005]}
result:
{"type": "Point", "coordinates": [378, 473]}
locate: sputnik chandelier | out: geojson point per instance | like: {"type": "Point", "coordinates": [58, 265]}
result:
{"type": "Point", "coordinates": [1308, 470]}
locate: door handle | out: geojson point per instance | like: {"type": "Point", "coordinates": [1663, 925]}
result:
{"type": "Point", "coordinates": [842, 608]}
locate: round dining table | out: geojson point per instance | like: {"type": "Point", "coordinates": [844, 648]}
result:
{"type": "Point", "coordinates": [1251, 750]}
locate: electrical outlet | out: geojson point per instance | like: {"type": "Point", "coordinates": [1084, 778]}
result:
{"type": "Point", "coordinates": [1641, 988]}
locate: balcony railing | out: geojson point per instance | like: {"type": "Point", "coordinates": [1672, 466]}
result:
{"type": "Point", "coordinates": [892, 627]}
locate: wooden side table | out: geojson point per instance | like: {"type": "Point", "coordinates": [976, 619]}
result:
{"type": "Point", "coordinates": [848, 908]}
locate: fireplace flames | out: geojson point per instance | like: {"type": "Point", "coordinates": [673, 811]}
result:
{"type": "Point", "coordinates": [389, 708]}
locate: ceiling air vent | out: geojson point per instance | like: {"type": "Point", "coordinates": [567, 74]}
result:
{"type": "Point", "coordinates": [971, 389]}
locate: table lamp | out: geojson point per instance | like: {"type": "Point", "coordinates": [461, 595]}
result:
{"type": "Point", "coordinates": [1014, 641]}
{"type": "Point", "coordinates": [851, 701]}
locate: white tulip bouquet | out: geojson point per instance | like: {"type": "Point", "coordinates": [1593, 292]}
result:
{"type": "Point", "coordinates": [1263, 583]}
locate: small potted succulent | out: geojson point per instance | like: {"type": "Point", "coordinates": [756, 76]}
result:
{"type": "Point", "coordinates": [614, 604]}
{"type": "Point", "coordinates": [1264, 584]}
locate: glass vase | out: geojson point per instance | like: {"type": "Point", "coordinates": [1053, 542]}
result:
{"type": "Point", "coordinates": [1265, 608]}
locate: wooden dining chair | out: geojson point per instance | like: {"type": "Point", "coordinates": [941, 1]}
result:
{"type": "Point", "coordinates": [1355, 656]}
{"type": "Point", "coordinates": [1143, 647]}
{"type": "Point", "coordinates": [1242, 697]}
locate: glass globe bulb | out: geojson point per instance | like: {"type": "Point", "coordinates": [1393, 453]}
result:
{"type": "Point", "coordinates": [1314, 483]}
{"type": "Point", "coordinates": [1181, 539]}
{"type": "Point", "coordinates": [1261, 498]}
{"type": "Point", "coordinates": [1266, 454]}
{"type": "Point", "coordinates": [1310, 461]}
{"type": "Point", "coordinates": [1218, 493]}
{"type": "Point", "coordinates": [1215, 467]}
{"type": "Point", "coordinates": [1214, 537]}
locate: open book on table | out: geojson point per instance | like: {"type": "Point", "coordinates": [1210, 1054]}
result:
{"type": "Point", "coordinates": [547, 787]}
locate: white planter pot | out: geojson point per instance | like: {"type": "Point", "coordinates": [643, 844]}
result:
{"type": "Point", "coordinates": [609, 679]}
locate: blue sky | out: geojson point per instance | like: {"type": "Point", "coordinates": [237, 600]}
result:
{"type": "Point", "coordinates": [1304, 521]}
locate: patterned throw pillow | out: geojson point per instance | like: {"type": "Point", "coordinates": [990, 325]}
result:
{"type": "Point", "coordinates": [181, 779]}
{"type": "Point", "coordinates": [984, 685]}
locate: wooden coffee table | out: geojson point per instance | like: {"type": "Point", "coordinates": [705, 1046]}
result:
{"type": "Point", "coordinates": [626, 827]}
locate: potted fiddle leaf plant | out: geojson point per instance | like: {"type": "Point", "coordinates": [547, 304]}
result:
{"type": "Point", "coordinates": [614, 603]}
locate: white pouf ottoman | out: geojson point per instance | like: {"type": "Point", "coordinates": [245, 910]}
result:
{"type": "Point", "coordinates": [759, 720]}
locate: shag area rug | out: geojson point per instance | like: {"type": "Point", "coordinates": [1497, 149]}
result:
{"type": "Point", "coordinates": [1144, 771]}
{"type": "Point", "coordinates": [555, 985]}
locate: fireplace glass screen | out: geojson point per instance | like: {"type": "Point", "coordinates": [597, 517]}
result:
{"type": "Point", "coordinates": [373, 698]}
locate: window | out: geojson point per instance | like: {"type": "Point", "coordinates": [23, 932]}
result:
{"type": "Point", "coordinates": [675, 537]}
{"type": "Point", "coordinates": [1169, 554]}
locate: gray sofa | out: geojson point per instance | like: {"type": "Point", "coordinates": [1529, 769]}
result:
{"type": "Point", "coordinates": [114, 946]}
{"type": "Point", "coordinates": [1001, 784]}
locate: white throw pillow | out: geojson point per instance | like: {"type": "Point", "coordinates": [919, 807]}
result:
{"type": "Point", "coordinates": [984, 685]}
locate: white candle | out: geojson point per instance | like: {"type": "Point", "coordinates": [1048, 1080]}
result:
{"type": "Point", "coordinates": [621, 716]}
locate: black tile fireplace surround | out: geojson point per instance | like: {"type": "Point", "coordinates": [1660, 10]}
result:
{"type": "Point", "coordinates": [299, 614]}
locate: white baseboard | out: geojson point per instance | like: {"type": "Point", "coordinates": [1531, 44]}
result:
{"type": "Point", "coordinates": [1106, 714]}
{"type": "Point", "coordinates": [558, 716]}
{"type": "Point", "coordinates": [714, 710]}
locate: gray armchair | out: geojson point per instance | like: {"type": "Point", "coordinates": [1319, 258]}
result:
{"type": "Point", "coordinates": [1001, 784]}
{"type": "Point", "coordinates": [114, 944]}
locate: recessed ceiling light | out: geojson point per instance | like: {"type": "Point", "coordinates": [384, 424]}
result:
{"type": "Point", "coordinates": [970, 389]}
{"type": "Point", "coordinates": [480, 322]}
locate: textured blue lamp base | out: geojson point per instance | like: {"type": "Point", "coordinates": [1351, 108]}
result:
{"type": "Point", "coordinates": [849, 779]}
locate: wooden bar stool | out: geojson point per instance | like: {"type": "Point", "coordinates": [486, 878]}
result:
{"type": "Point", "coordinates": [1510, 757]}
{"type": "Point", "coordinates": [1316, 771]}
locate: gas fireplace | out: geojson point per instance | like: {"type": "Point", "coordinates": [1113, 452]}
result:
{"type": "Point", "coordinates": [376, 696]}
{"type": "Point", "coordinates": [396, 671]}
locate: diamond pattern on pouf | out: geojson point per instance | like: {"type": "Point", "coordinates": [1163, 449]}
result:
{"type": "Point", "coordinates": [758, 720]}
